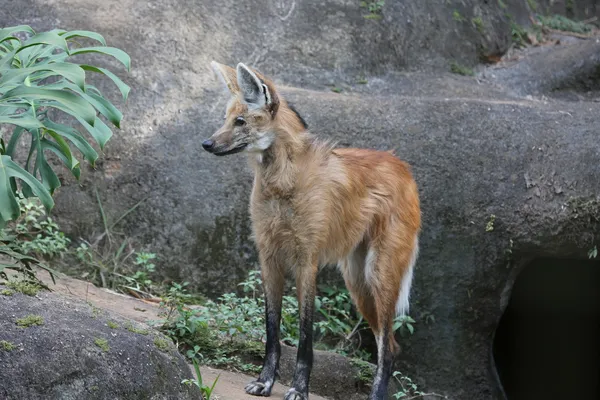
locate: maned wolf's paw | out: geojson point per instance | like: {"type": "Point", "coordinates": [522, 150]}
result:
{"type": "Point", "coordinates": [258, 388]}
{"type": "Point", "coordinates": [293, 394]}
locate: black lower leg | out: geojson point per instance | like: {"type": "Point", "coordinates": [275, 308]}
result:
{"type": "Point", "coordinates": [385, 361]}
{"type": "Point", "coordinates": [273, 297]}
{"type": "Point", "coordinates": [304, 358]}
{"type": "Point", "coordinates": [273, 347]}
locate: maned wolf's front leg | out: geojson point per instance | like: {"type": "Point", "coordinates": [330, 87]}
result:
{"type": "Point", "coordinates": [306, 282]}
{"type": "Point", "coordinates": [273, 279]}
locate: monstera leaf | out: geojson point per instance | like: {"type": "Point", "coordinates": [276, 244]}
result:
{"type": "Point", "coordinates": [38, 80]}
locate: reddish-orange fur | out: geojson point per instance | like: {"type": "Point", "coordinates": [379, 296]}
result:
{"type": "Point", "coordinates": [312, 204]}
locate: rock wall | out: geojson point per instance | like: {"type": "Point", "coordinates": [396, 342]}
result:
{"type": "Point", "coordinates": [483, 156]}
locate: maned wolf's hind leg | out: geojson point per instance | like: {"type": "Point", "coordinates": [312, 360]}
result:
{"type": "Point", "coordinates": [376, 280]}
{"type": "Point", "coordinates": [393, 261]}
{"type": "Point", "coordinates": [273, 280]}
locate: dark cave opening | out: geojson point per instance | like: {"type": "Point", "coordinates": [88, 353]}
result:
{"type": "Point", "coordinates": [547, 344]}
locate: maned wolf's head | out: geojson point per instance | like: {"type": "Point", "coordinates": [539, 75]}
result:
{"type": "Point", "coordinates": [250, 117]}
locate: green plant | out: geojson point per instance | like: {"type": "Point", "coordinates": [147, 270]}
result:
{"type": "Point", "coordinates": [140, 280]}
{"type": "Point", "coordinates": [6, 292]}
{"type": "Point", "coordinates": [25, 286]}
{"type": "Point", "coordinates": [205, 390]}
{"type": "Point", "coordinates": [457, 16]}
{"type": "Point", "coordinates": [375, 8]}
{"type": "Point", "coordinates": [11, 249]}
{"type": "Point", "coordinates": [161, 344]}
{"type": "Point", "coordinates": [6, 346]}
{"type": "Point", "coordinates": [518, 33]}
{"type": "Point", "coordinates": [565, 24]}
{"type": "Point", "coordinates": [502, 4]}
{"type": "Point", "coordinates": [140, 331]}
{"type": "Point", "coordinates": [230, 330]}
{"type": "Point", "coordinates": [112, 325]}
{"type": "Point", "coordinates": [36, 233]}
{"type": "Point", "coordinates": [478, 22]}
{"type": "Point", "coordinates": [365, 371]}
{"type": "Point", "coordinates": [490, 224]}
{"type": "Point", "coordinates": [29, 320]}
{"type": "Point", "coordinates": [38, 78]}
{"type": "Point", "coordinates": [409, 390]}
{"type": "Point", "coordinates": [95, 310]}
{"type": "Point", "coordinates": [107, 262]}
{"type": "Point", "coordinates": [102, 343]}
{"type": "Point", "coordinates": [460, 69]}
{"type": "Point", "coordinates": [176, 296]}
{"type": "Point", "coordinates": [593, 253]}
{"type": "Point", "coordinates": [38, 82]}
{"type": "Point", "coordinates": [404, 324]}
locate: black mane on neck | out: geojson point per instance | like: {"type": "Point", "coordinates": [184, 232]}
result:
{"type": "Point", "coordinates": [304, 124]}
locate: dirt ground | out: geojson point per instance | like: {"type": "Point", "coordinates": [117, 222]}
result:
{"type": "Point", "coordinates": [230, 385]}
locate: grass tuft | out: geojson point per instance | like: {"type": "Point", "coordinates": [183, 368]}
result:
{"type": "Point", "coordinates": [29, 320]}
{"type": "Point", "coordinates": [26, 287]}
{"type": "Point", "coordinates": [102, 343]}
{"type": "Point", "coordinates": [6, 346]}
{"type": "Point", "coordinates": [460, 69]}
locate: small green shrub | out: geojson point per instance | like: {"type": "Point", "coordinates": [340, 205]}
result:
{"type": "Point", "coordinates": [140, 280]}
{"type": "Point", "coordinates": [36, 233]}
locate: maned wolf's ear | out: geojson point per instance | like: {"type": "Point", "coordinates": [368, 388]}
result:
{"type": "Point", "coordinates": [255, 92]}
{"type": "Point", "coordinates": [226, 75]}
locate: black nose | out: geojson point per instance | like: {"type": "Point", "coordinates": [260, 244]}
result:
{"type": "Point", "coordinates": [208, 144]}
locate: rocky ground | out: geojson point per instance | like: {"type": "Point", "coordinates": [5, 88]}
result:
{"type": "Point", "coordinates": [121, 308]}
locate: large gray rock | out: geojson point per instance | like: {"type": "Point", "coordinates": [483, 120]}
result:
{"type": "Point", "coordinates": [476, 149]}
{"type": "Point", "coordinates": [76, 355]}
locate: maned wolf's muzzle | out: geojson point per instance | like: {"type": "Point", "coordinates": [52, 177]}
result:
{"type": "Point", "coordinates": [209, 145]}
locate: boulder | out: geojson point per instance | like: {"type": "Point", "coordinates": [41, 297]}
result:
{"type": "Point", "coordinates": [52, 347]}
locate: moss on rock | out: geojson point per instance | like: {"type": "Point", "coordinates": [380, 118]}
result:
{"type": "Point", "coordinates": [29, 320]}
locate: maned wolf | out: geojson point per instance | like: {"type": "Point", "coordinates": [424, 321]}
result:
{"type": "Point", "coordinates": [311, 205]}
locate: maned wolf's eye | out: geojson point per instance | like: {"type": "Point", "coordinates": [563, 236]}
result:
{"type": "Point", "coordinates": [239, 121]}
